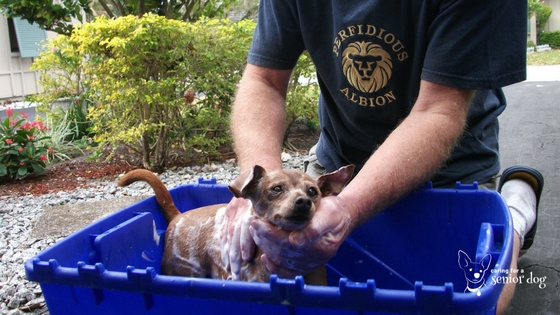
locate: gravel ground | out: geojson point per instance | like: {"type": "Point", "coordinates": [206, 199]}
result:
{"type": "Point", "coordinates": [19, 296]}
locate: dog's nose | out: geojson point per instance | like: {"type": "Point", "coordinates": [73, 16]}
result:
{"type": "Point", "coordinates": [476, 275]}
{"type": "Point", "coordinates": [302, 205]}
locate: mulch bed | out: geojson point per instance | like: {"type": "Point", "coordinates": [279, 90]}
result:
{"type": "Point", "coordinates": [79, 172]}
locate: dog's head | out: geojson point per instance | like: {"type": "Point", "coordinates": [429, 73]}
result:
{"type": "Point", "coordinates": [288, 198]}
{"type": "Point", "coordinates": [474, 271]}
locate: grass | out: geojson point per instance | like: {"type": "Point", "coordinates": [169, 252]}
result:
{"type": "Point", "coordinates": [549, 57]}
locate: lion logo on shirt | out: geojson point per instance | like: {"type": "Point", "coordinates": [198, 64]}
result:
{"type": "Point", "coordinates": [366, 66]}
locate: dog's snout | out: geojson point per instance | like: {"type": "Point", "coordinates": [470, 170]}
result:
{"type": "Point", "coordinates": [476, 275]}
{"type": "Point", "coordinates": [303, 204]}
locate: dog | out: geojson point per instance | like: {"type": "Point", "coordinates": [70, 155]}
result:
{"type": "Point", "coordinates": [474, 271]}
{"type": "Point", "coordinates": [285, 198]}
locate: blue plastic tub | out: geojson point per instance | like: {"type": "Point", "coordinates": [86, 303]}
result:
{"type": "Point", "coordinates": [404, 261]}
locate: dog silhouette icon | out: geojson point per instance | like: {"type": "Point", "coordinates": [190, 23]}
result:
{"type": "Point", "coordinates": [474, 271]}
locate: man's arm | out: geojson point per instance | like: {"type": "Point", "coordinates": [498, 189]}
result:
{"type": "Point", "coordinates": [259, 117]}
{"type": "Point", "coordinates": [412, 152]}
{"type": "Point", "coordinates": [257, 124]}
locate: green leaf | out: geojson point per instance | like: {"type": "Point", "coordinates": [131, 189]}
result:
{"type": "Point", "coordinates": [22, 171]}
{"type": "Point", "coordinates": [3, 170]}
{"type": "Point", "coordinates": [38, 168]}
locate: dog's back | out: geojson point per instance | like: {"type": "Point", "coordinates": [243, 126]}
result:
{"type": "Point", "coordinates": [192, 239]}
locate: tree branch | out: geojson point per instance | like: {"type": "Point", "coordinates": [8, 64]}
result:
{"type": "Point", "coordinates": [107, 8]}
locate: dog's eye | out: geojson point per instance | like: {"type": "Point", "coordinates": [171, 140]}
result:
{"type": "Point", "coordinates": [277, 189]}
{"type": "Point", "coordinates": [312, 192]}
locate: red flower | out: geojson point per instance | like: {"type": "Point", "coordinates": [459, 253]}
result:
{"type": "Point", "coordinates": [51, 151]}
{"type": "Point", "coordinates": [39, 125]}
{"type": "Point", "coordinates": [9, 111]}
{"type": "Point", "coordinates": [9, 141]}
{"type": "Point", "coordinates": [23, 115]}
{"type": "Point", "coordinates": [43, 157]}
{"type": "Point", "coordinates": [21, 163]}
{"type": "Point", "coordinates": [30, 138]}
{"type": "Point", "coordinates": [20, 149]}
{"type": "Point", "coordinates": [27, 126]}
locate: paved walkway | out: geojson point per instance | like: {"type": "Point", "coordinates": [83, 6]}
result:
{"type": "Point", "coordinates": [529, 133]}
{"type": "Point", "coordinates": [543, 73]}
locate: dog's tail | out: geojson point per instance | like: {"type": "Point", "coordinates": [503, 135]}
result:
{"type": "Point", "coordinates": [163, 197]}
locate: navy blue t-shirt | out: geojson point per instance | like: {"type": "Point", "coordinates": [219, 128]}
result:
{"type": "Point", "coordinates": [371, 55]}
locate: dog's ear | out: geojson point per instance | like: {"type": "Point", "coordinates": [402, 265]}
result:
{"type": "Point", "coordinates": [332, 183]}
{"type": "Point", "coordinates": [464, 259]}
{"type": "Point", "coordinates": [244, 185]}
{"type": "Point", "coordinates": [485, 261]}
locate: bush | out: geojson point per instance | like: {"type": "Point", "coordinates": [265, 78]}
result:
{"type": "Point", "coordinates": [303, 93]}
{"type": "Point", "coordinates": [20, 152]}
{"type": "Point", "coordinates": [551, 38]}
{"type": "Point", "coordinates": [64, 94]}
{"type": "Point", "coordinates": [60, 137]}
{"type": "Point", "coordinates": [156, 84]}
{"type": "Point", "coordinates": [543, 13]}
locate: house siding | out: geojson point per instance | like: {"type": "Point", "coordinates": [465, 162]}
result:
{"type": "Point", "coordinates": [16, 78]}
{"type": "Point", "coordinates": [554, 21]}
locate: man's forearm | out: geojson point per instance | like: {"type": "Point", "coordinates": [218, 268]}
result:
{"type": "Point", "coordinates": [259, 117]}
{"type": "Point", "coordinates": [411, 154]}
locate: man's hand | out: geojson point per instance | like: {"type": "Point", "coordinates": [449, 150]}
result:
{"type": "Point", "coordinates": [288, 254]}
{"type": "Point", "coordinates": [236, 242]}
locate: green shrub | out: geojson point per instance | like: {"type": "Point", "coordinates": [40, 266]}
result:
{"type": "Point", "coordinates": [20, 150]}
{"type": "Point", "coordinates": [60, 137]}
{"type": "Point", "coordinates": [64, 94]}
{"type": "Point", "coordinates": [551, 38]}
{"type": "Point", "coordinates": [139, 69]}
{"type": "Point", "coordinates": [156, 84]}
{"type": "Point", "coordinates": [543, 13]}
{"type": "Point", "coordinates": [303, 93]}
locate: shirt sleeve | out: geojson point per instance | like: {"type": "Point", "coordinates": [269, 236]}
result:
{"type": "Point", "coordinates": [477, 44]}
{"type": "Point", "coordinates": [277, 41]}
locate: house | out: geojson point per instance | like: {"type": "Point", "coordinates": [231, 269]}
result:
{"type": "Point", "coordinates": [19, 44]}
{"type": "Point", "coordinates": [553, 22]}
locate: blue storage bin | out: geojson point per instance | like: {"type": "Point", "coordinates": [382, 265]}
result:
{"type": "Point", "coordinates": [403, 261]}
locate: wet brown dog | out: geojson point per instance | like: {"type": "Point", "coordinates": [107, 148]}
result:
{"type": "Point", "coordinates": [286, 198]}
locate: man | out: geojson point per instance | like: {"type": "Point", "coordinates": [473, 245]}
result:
{"type": "Point", "coordinates": [410, 92]}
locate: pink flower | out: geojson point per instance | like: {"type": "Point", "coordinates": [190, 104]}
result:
{"type": "Point", "coordinates": [9, 111]}
{"type": "Point", "coordinates": [9, 141]}
{"type": "Point", "coordinates": [39, 125]}
{"type": "Point", "coordinates": [21, 163]}
{"type": "Point", "coordinates": [23, 115]}
{"type": "Point", "coordinates": [30, 138]}
{"type": "Point", "coordinates": [43, 157]}
{"type": "Point", "coordinates": [20, 149]}
{"type": "Point", "coordinates": [13, 122]}
{"type": "Point", "coordinates": [27, 126]}
{"type": "Point", "coordinates": [51, 151]}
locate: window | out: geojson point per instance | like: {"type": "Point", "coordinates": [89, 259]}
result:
{"type": "Point", "coordinates": [14, 47]}
{"type": "Point", "coordinates": [25, 38]}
